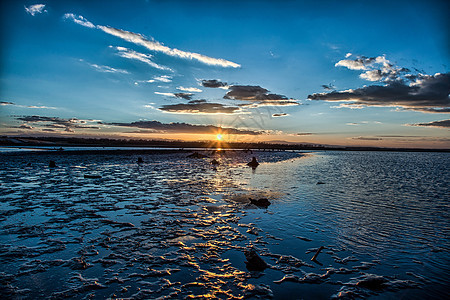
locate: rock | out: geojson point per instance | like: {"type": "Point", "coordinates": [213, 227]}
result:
{"type": "Point", "coordinates": [215, 162]}
{"type": "Point", "coordinates": [196, 155]}
{"type": "Point", "coordinates": [254, 163]}
{"type": "Point", "coordinates": [263, 202]}
{"type": "Point", "coordinates": [140, 160]}
{"type": "Point", "coordinates": [254, 261]}
{"type": "Point", "coordinates": [320, 182]}
{"type": "Point", "coordinates": [52, 164]}
{"type": "Point", "coordinates": [372, 282]}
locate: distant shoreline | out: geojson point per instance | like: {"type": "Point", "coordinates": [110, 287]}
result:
{"type": "Point", "coordinates": [54, 143]}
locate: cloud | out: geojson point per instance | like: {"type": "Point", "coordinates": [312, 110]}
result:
{"type": "Point", "coordinates": [4, 103]}
{"type": "Point", "coordinates": [189, 89]}
{"type": "Point", "coordinates": [106, 69]}
{"type": "Point", "coordinates": [440, 124]}
{"type": "Point", "coordinates": [145, 58]}
{"type": "Point", "coordinates": [356, 64]}
{"type": "Point", "coordinates": [214, 83]}
{"type": "Point", "coordinates": [280, 115]}
{"type": "Point", "coordinates": [258, 96]}
{"type": "Point", "coordinates": [186, 96]}
{"type": "Point", "coordinates": [158, 127]}
{"type": "Point", "coordinates": [153, 45]}
{"type": "Point", "coordinates": [163, 78]}
{"type": "Point", "coordinates": [304, 133]}
{"type": "Point", "coordinates": [35, 9]}
{"type": "Point", "coordinates": [52, 123]}
{"type": "Point", "coordinates": [429, 94]}
{"type": "Point", "coordinates": [328, 87]}
{"type": "Point", "coordinates": [199, 107]}
{"type": "Point", "coordinates": [377, 68]}
{"type": "Point", "coordinates": [80, 20]}
{"type": "Point", "coordinates": [352, 124]}
{"type": "Point", "coordinates": [165, 94]}
{"type": "Point", "coordinates": [363, 138]}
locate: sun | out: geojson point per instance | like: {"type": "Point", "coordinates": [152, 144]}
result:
{"type": "Point", "coordinates": [219, 137]}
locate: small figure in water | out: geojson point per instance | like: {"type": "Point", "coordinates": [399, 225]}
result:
{"type": "Point", "coordinates": [52, 164]}
{"type": "Point", "coordinates": [215, 162]}
{"type": "Point", "coordinates": [140, 160]}
{"type": "Point", "coordinates": [254, 163]}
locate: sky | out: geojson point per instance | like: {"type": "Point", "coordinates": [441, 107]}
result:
{"type": "Point", "coordinates": [356, 73]}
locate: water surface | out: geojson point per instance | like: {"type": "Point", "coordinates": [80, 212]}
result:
{"type": "Point", "coordinates": [176, 227]}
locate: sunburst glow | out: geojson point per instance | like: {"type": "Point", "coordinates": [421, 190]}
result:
{"type": "Point", "coordinates": [219, 137]}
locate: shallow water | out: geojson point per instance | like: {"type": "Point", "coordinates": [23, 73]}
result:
{"type": "Point", "coordinates": [176, 227]}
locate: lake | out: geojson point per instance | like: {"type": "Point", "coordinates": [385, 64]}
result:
{"type": "Point", "coordinates": [179, 227]}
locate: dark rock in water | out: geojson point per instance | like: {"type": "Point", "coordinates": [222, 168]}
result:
{"type": "Point", "coordinates": [196, 155]}
{"type": "Point", "coordinates": [140, 160]}
{"type": "Point", "coordinates": [372, 282]}
{"type": "Point", "coordinates": [215, 162]}
{"type": "Point", "coordinates": [254, 163]}
{"type": "Point", "coordinates": [254, 262]}
{"type": "Point", "coordinates": [320, 182]}
{"type": "Point", "coordinates": [52, 164]}
{"type": "Point", "coordinates": [92, 176]}
{"type": "Point", "coordinates": [263, 202]}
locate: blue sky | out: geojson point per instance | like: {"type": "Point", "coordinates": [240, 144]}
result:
{"type": "Point", "coordinates": [332, 72]}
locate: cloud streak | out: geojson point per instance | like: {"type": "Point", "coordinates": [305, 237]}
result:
{"type": "Point", "coordinates": [152, 45]}
{"type": "Point", "coordinates": [158, 127]}
{"type": "Point", "coordinates": [53, 123]}
{"type": "Point", "coordinates": [106, 69]}
{"type": "Point", "coordinates": [439, 124]}
{"type": "Point", "coordinates": [145, 58]}
{"type": "Point", "coordinates": [80, 20]}
{"type": "Point", "coordinates": [6, 103]}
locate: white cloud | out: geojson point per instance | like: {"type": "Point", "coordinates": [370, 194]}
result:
{"type": "Point", "coordinates": [163, 78]}
{"type": "Point", "coordinates": [372, 75]}
{"type": "Point", "coordinates": [35, 9]}
{"type": "Point", "coordinates": [348, 55]}
{"type": "Point", "coordinates": [351, 64]}
{"type": "Point", "coordinates": [165, 94]}
{"type": "Point", "coordinates": [158, 47]}
{"type": "Point", "coordinates": [145, 58]}
{"type": "Point", "coordinates": [79, 20]}
{"type": "Point", "coordinates": [107, 69]}
{"type": "Point", "coordinates": [189, 89]}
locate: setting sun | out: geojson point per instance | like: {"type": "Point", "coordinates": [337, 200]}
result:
{"type": "Point", "coordinates": [219, 137]}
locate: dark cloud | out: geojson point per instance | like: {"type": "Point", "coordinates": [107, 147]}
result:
{"type": "Point", "coordinates": [199, 107]}
{"type": "Point", "coordinates": [280, 115]}
{"type": "Point", "coordinates": [257, 95]}
{"type": "Point", "coordinates": [431, 93]}
{"type": "Point", "coordinates": [186, 96]}
{"type": "Point", "coordinates": [328, 87]}
{"type": "Point", "coordinates": [213, 83]}
{"type": "Point", "coordinates": [53, 123]}
{"type": "Point", "coordinates": [443, 124]}
{"type": "Point", "coordinates": [251, 93]}
{"type": "Point", "coordinates": [363, 138]}
{"type": "Point", "coordinates": [304, 133]}
{"type": "Point", "coordinates": [6, 103]}
{"type": "Point", "coordinates": [156, 126]}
